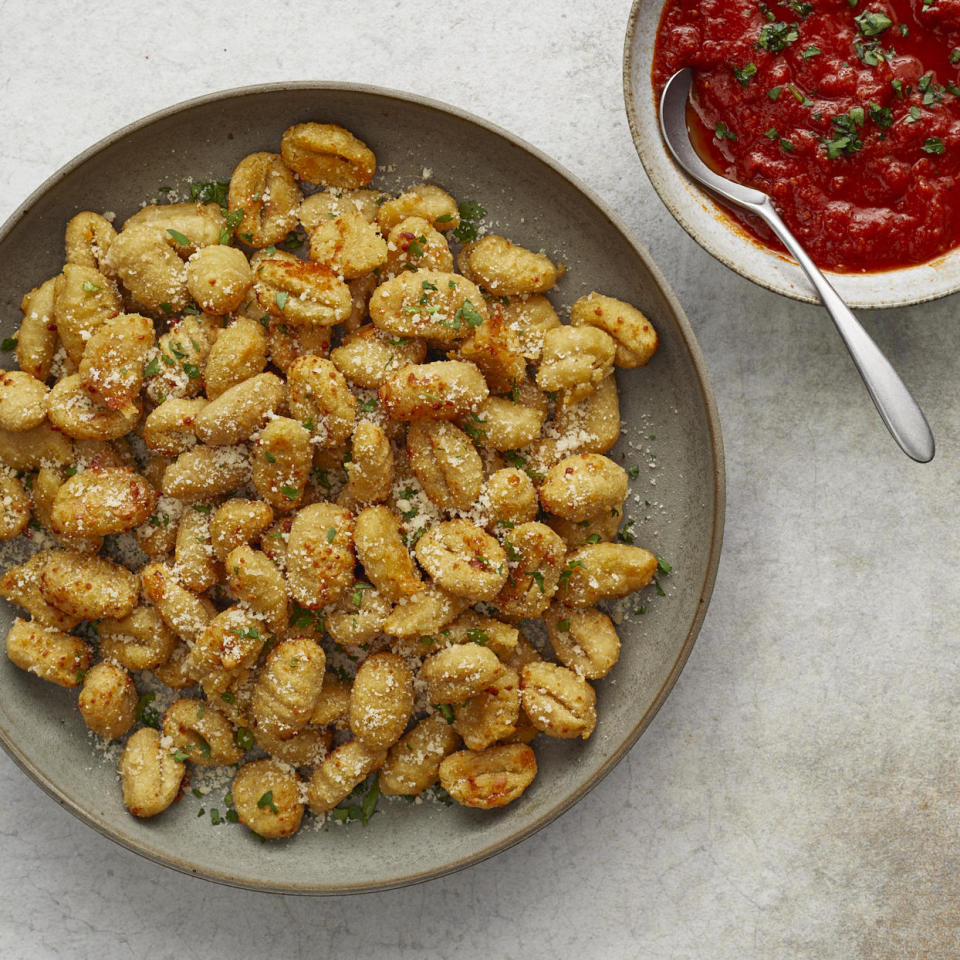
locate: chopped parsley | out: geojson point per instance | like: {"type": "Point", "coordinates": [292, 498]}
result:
{"type": "Point", "coordinates": [476, 635]}
{"type": "Point", "coordinates": [244, 738]}
{"type": "Point", "coordinates": [266, 802]}
{"type": "Point", "coordinates": [146, 714]}
{"type": "Point", "coordinates": [744, 74]}
{"type": "Point", "coordinates": [230, 224]}
{"type": "Point", "coordinates": [469, 315]}
{"type": "Point", "coordinates": [291, 493]}
{"type": "Point", "coordinates": [774, 93]}
{"type": "Point", "coordinates": [934, 145]}
{"type": "Point", "coordinates": [359, 806]}
{"type": "Point", "coordinates": [872, 24]}
{"type": "Point", "coordinates": [357, 595]}
{"type": "Point", "coordinates": [179, 237]}
{"type": "Point", "coordinates": [211, 191]}
{"type": "Point", "coordinates": [800, 7]}
{"type": "Point", "coordinates": [281, 299]}
{"type": "Point", "coordinates": [775, 37]}
{"type": "Point", "coordinates": [567, 572]}
{"type": "Point", "coordinates": [846, 140]}
{"type": "Point", "coordinates": [881, 116]}
{"type": "Point", "coordinates": [446, 711]}
{"type": "Point", "coordinates": [563, 626]}
{"type": "Point", "coordinates": [723, 132]}
{"type": "Point", "coordinates": [871, 52]}
{"type": "Point", "coordinates": [89, 287]}
{"type": "Point", "coordinates": [470, 211]}
{"type": "Point", "coordinates": [8, 344]}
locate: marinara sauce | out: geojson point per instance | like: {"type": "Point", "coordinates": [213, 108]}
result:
{"type": "Point", "coordinates": [846, 112]}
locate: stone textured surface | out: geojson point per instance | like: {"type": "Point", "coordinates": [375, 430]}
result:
{"type": "Point", "coordinates": [797, 794]}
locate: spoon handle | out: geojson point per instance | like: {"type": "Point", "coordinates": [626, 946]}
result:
{"type": "Point", "coordinates": [894, 402]}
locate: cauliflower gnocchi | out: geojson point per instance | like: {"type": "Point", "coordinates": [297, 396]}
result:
{"type": "Point", "coordinates": [356, 444]}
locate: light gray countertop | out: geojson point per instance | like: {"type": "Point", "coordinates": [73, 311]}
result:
{"type": "Point", "coordinates": [797, 795]}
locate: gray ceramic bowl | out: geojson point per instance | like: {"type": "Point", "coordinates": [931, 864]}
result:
{"type": "Point", "coordinates": [536, 203]}
{"type": "Point", "coordinates": [718, 234]}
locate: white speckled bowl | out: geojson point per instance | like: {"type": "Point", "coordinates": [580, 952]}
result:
{"type": "Point", "coordinates": [536, 203]}
{"type": "Point", "coordinates": [719, 234]}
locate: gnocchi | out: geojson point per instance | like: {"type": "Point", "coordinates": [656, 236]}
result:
{"type": "Point", "coordinates": [358, 445]}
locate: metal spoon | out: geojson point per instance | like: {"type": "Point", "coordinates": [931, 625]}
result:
{"type": "Point", "coordinates": [899, 411]}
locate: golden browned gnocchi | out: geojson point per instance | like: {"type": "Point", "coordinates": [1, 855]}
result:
{"type": "Point", "coordinates": [200, 730]}
{"type": "Point", "coordinates": [266, 796]}
{"type": "Point", "coordinates": [381, 699]}
{"type": "Point", "coordinates": [150, 774]}
{"type": "Point", "coordinates": [265, 192]}
{"type": "Point", "coordinates": [328, 154]}
{"type": "Point", "coordinates": [488, 778]}
{"type": "Point", "coordinates": [48, 653]}
{"type": "Point", "coordinates": [218, 278]}
{"type": "Point", "coordinates": [443, 390]}
{"type": "Point", "coordinates": [108, 700]}
{"type": "Point", "coordinates": [88, 587]}
{"type": "Point", "coordinates": [413, 762]}
{"type": "Point", "coordinates": [506, 269]}
{"type": "Point", "coordinates": [558, 701]}
{"type": "Point", "coordinates": [23, 401]}
{"type": "Point", "coordinates": [288, 687]}
{"type": "Point", "coordinates": [356, 445]}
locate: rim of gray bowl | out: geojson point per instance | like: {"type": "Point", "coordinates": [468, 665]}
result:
{"type": "Point", "coordinates": [719, 494]}
{"type": "Point", "coordinates": [920, 280]}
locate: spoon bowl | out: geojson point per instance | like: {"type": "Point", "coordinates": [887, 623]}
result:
{"type": "Point", "coordinates": [894, 402]}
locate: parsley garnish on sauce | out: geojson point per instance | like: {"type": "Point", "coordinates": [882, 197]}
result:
{"type": "Point", "coordinates": [723, 132]}
{"type": "Point", "coordinates": [801, 8]}
{"type": "Point", "coordinates": [846, 140]}
{"type": "Point", "coordinates": [872, 24]}
{"type": "Point", "coordinates": [775, 37]}
{"type": "Point", "coordinates": [744, 74]}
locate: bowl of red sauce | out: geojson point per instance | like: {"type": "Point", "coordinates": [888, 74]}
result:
{"type": "Point", "coordinates": [847, 112]}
